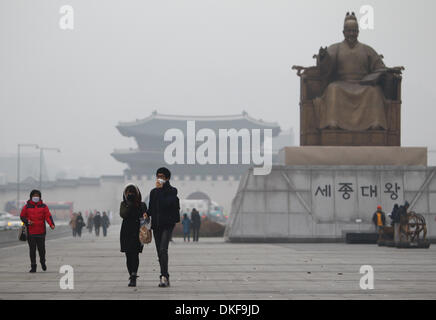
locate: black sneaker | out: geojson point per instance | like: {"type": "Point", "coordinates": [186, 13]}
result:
{"type": "Point", "coordinates": [164, 282]}
{"type": "Point", "coordinates": [43, 266]}
{"type": "Point", "coordinates": [32, 268]}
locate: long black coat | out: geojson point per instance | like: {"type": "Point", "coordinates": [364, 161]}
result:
{"type": "Point", "coordinates": [80, 223]}
{"type": "Point", "coordinates": [129, 235]}
{"type": "Point", "coordinates": [196, 219]}
{"type": "Point", "coordinates": [97, 221]}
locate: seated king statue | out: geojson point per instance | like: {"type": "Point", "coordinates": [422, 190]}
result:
{"type": "Point", "coordinates": [353, 99]}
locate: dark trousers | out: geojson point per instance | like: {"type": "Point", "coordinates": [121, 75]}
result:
{"type": "Point", "coordinates": [195, 231]}
{"type": "Point", "coordinates": [97, 230]}
{"type": "Point", "coordinates": [162, 237]}
{"type": "Point", "coordinates": [104, 231]}
{"type": "Point", "coordinates": [79, 232]}
{"type": "Point", "coordinates": [132, 261]}
{"type": "Point", "coordinates": [74, 232]}
{"type": "Point", "coordinates": [36, 242]}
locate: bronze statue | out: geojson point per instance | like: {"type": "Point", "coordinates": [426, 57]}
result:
{"type": "Point", "coordinates": [354, 92]}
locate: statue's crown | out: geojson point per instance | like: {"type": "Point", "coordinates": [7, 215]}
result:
{"type": "Point", "coordinates": [351, 16]}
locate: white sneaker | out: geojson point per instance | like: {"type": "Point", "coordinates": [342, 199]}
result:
{"type": "Point", "coordinates": [164, 282]}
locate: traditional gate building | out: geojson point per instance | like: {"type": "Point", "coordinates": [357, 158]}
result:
{"type": "Point", "coordinates": [218, 181]}
{"type": "Point", "coordinates": [149, 135]}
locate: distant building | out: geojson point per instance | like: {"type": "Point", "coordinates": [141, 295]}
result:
{"type": "Point", "coordinates": [149, 136]}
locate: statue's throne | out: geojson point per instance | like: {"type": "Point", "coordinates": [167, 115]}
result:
{"type": "Point", "coordinates": [313, 85]}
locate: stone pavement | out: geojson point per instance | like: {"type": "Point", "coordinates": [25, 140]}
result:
{"type": "Point", "coordinates": [213, 269]}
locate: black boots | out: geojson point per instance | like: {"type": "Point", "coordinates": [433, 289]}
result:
{"type": "Point", "coordinates": [132, 282]}
{"type": "Point", "coordinates": [33, 267]}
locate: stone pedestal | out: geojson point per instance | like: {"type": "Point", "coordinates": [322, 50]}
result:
{"type": "Point", "coordinates": [323, 203]}
{"type": "Point", "coordinates": [359, 138]}
{"type": "Point", "coordinates": [354, 156]}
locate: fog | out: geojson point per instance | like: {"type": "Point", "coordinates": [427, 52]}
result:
{"type": "Point", "coordinates": [124, 59]}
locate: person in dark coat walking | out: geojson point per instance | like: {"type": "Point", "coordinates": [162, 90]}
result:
{"type": "Point", "coordinates": [90, 222]}
{"type": "Point", "coordinates": [105, 223]}
{"type": "Point", "coordinates": [97, 223]}
{"type": "Point", "coordinates": [131, 210]}
{"type": "Point", "coordinates": [402, 223]}
{"type": "Point", "coordinates": [164, 210]}
{"type": "Point", "coordinates": [395, 222]}
{"type": "Point", "coordinates": [80, 223]}
{"type": "Point", "coordinates": [34, 216]}
{"type": "Point", "coordinates": [196, 223]}
{"type": "Point", "coordinates": [394, 215]}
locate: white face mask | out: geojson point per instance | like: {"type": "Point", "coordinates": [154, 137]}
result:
{"type": "Point", "coordinates": [35, 199]}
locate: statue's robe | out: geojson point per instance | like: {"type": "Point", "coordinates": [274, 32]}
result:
{"type": "Point", "coordinates": [348, 102]}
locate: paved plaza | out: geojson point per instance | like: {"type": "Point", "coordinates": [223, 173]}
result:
{"type": "Point", "coordinates": [214, 269]}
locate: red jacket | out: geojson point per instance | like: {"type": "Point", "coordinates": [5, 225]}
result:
{"type": "Point", "coordinates": [37, 213]}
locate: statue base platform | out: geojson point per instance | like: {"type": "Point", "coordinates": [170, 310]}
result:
{"type": "Point", "coordinates": [359, 138]}
{"type": "Point", "coordinates": [358, 156]}
{"type": "Point", "coordinates": [375, 138]}
{"type": "Point", "coordinates": [322, 203]}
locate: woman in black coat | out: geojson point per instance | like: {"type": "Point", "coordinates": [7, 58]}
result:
{"type": "Point", "coordinates": [131, 210]}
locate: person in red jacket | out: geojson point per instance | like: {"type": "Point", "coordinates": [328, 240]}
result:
{"type": "Point", "coordinates": [34, 215]}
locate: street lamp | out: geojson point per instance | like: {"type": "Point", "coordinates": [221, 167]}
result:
{"type": "Point", "coordinates": [41, 150]}
{"type": "Point", "coordinates": [18, 168]}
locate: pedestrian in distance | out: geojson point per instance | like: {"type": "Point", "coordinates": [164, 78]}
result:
{"type": "Point", "coordinates": [90, 222]}
{"type": "Point", "coordinates": [34, 216]}
{"type": "Point", "coordinates": [196, 223]}
{"type": "Point", "coordinates": [73, 223]}
{"type": "Point", "coordinates": [403, 228]}
{"type": "Point", "coordinates": [394, 215]}
{"type": "Point", "coordinates": [105, 223]}
{"type": "Point", "coordinates": [186, 222]}
{"type": "Point", "coordinates": [97, 223]}
{"type": "Point", "coordinates": [395, 221]}
{"type": "Point", "coordinates": [379, 220]}
{"type": "Point", "coordinates": [132, 209]}
{"type": "Point", "coordinates": [80, 223]}
{"type": "Point", "coordinates": [164, 210]}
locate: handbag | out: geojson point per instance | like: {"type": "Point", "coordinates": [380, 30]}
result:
{"type": "Point", "coordinates": [22, 233]}
{"type": "Point", "coordinates": [145, 231]}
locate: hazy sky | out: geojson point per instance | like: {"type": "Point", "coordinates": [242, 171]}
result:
{"type": "Point", "coordinates": [124, 59]}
